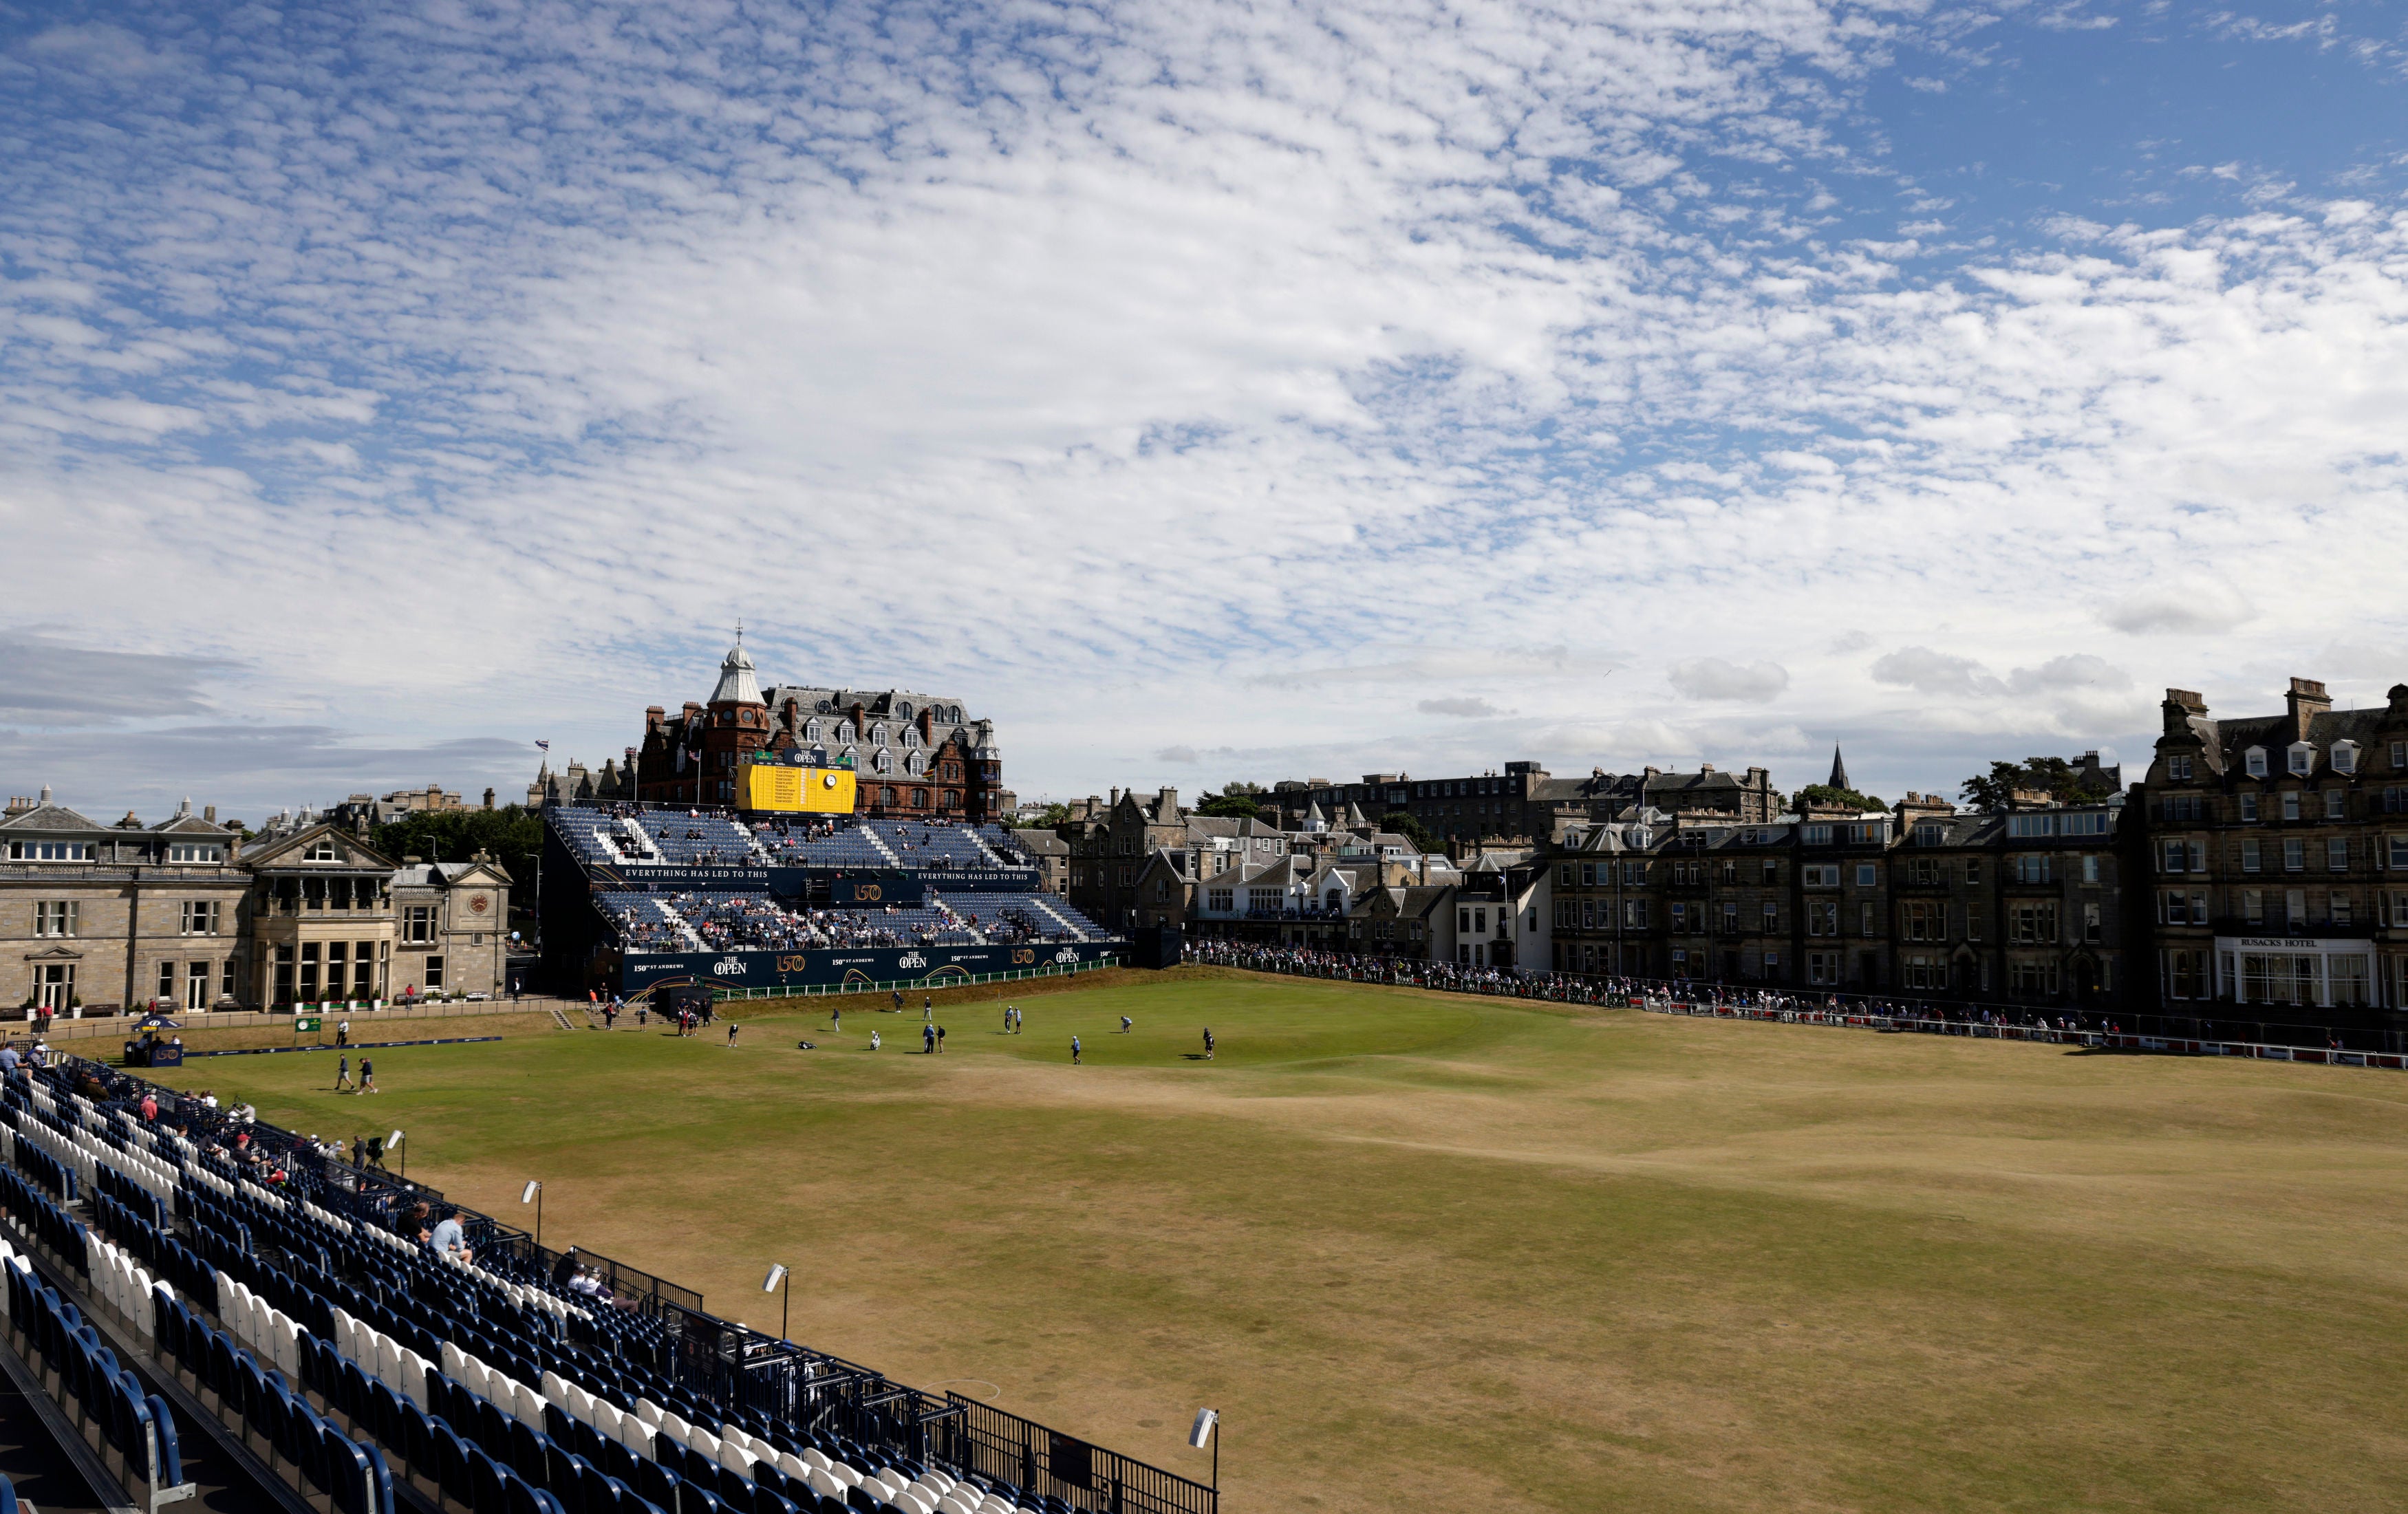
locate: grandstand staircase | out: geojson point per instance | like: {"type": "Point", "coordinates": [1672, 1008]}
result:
{"type": "Point", "coordinates": [954, 915]}
{"type": "Point", "coordinates": [880, 842]}
{"type": "Point", "coordinates": [1059, 919]}
{"type": "Point", "coordinates": [561, 1018]}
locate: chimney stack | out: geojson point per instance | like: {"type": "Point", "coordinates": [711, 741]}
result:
{"type": "Point", "coordinates": [2307, 700]}
{"type": "Point", "coordinates": [209, 813]}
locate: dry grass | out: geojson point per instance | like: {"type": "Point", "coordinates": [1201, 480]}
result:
{"type": "Point", "coordinates": [1473, 1253]}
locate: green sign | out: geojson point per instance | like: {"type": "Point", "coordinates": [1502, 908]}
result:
{"type": "Point", "coordinates": [304, 1022]}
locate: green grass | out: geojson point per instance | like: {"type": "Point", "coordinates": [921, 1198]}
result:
{"type": "Point", "coordinates": [1485, 1254]}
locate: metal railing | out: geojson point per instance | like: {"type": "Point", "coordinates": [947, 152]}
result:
{"type": "Point", "coordinates": [994, 1443]}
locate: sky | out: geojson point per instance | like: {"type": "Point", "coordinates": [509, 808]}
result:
{"type": "Point", "coordinates": [1199, 391]}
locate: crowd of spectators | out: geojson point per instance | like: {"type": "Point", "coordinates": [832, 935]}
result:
{"type": "Point", "coordinates": [1685, 995]}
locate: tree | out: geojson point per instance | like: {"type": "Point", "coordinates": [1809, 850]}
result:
{"type": "Point", "coordinates": [1236, 801]}
{"type": "Point", "coordinates": [1053, 817]}
{"type": "Point", "coordinates": [2051, 776]}
{"type": "Point", "coordinates": [1411, 830]}
{"type": "Point", "coordinates": [1831, 798]}
{"type": "Point", "coordinates": [513, 834]}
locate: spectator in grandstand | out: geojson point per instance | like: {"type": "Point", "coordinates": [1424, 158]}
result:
{"type": "Point", "coordinates": [359, 1152]}
{"type": "Point", "coordinates": [449, 1240]}
{"type": "Point", "coordinates": [1074, 1052]}
{"type": "Point", "coordinates": [8, 1060]}
{"type": "Point", "coordinates": [149, 1105]}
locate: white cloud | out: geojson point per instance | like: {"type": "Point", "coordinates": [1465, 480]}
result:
{"type": "Point", "coordinates": [1712, 677]}
{"type": "Point", "coordinates": [1163, 380]}
{"type": "Point", "coordinates": [1467, 706]}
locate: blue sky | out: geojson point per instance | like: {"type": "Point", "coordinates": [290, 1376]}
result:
{"type": "Point", "coordinates": [1200, 391]}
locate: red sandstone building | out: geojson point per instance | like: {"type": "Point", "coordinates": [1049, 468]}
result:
{"type": "Point", "coordinates": [916, 755]}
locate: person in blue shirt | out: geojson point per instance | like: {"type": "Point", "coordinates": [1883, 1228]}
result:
{"type": "Point", "coordinates": [928, 1040]}
{"type": "Point", "coordinates": [343, 1070]}
{"type": "Point", "coordinates": [1074, 1052]}
{"type": "Point", "coordinates": [449, 1240]}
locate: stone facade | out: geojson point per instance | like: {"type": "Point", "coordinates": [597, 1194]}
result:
{"type": "Point", "coordinates": [98, 918]}
{"type": "Point", "coordinates": [2018, 907]}
{"type": "Point", "coordinates": [2275, 849]}
{"type": "Point", "coordinates": [1523, 804]}
{"type": "Point", "coordinates": [450, 926]}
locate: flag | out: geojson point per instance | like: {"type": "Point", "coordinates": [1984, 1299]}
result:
{"type": "Point", "coordinates": [544, 745]}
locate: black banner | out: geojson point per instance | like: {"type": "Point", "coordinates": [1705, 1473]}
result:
{"type": "Point", "coordinates": [930, 965]}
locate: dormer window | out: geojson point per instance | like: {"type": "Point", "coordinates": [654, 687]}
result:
{"type": "Point", "coordinates": [2302, 758]}
{"type": "Point", "coordinates": [878, 735]}
{"type": "Point", "coordinates": [49, 851]}
{"type": "Point", "coordinates": [191, 852]}
{"type": "Point", "coordinates": [811, 731]}
{"type": "Point", "coordinates": [2178, 769]}
{"type": "Point", "coordinates": [2344, 756]}
{"type": "Point", "coordinates": [2253, 761]}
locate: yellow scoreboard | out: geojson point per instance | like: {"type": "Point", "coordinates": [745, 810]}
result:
{"type": "Point", "coordinates": [799, 790]}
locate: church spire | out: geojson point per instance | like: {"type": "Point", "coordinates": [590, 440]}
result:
{"type": "Point", "coordinates": [1838, 770]}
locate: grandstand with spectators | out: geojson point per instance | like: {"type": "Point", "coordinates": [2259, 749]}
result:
{"type": "Point", "coordinates": [636, 896]}
{"type": "Point", "coordinates": [188, 1286]}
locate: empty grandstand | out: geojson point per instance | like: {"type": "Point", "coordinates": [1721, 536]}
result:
{"type": "Point", "coordinates": [635, 896]}
{"type": "Point", "coordinates": [188, 1283]}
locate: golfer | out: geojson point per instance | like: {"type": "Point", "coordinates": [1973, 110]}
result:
{"type": "Point", "coordinates": [1074, 1052]}
{"type": "Point", "coordinates": [874, 1042]}
{"type": "Point", "coordinates": [1125, 1024]}
{"type": "Point", "coordinates": [1208, 1043]}
{"type": "Point", "coordinates": [343, 1071]}
{"type": "Point", "coordinates": [733, 1028]}
{"type": "Point", "coordinates": [367, 1077]}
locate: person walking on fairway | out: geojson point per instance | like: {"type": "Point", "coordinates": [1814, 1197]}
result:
{"type": "Point", "coordinates": [873, 1040]}
{"type": "Point", "coordinates": [1208, 1043]}
{"type": "Point", "coordinates": [836, 1018]}
{"type": "Point", "coordinates": [1126, 1023]}
{"type": "Point", "coordinates": [940, 1040]}
{"type": "Point", "coordinates": [927, 1040]}
{"type": "Point", "coordinates": [367, 1075]}
{"type": "Point", "coordinates": [343, 1071]}
{"type": "Point", "coordinates": [927, 1009]}
{"type": "Point", "coordinates": [1074, 1052]}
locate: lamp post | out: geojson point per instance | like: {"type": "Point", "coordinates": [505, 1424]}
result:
{"type": "Point", "coordinates": [771, 1284]}
{"type": "Point", "coordinates": [1208, 1426]}
{"type": "Point", "coordinates": [534, 1193]}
